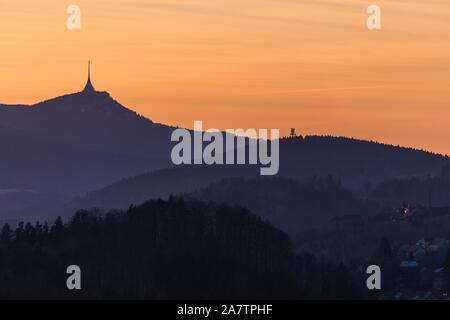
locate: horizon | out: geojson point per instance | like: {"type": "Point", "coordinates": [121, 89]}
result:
{"type": "Point", "coordinates": [298, 135]}
{"type": "Point", "coordinates": [294, 64]}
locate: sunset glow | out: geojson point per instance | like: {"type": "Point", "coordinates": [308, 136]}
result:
{"type": "Point", "coordinates": [308, 64]}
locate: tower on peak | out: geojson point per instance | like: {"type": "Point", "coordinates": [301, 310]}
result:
{"type": "Point", "coordinates": [88, 88]}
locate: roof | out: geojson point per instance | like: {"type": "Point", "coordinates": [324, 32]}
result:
{"type": "Point", "coordinates": [408, 264]}
{"type": "Point", "coordinates": [438, 270]}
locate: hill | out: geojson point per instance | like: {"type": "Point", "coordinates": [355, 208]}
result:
{"type": "Point", "coordinates": [421, 190]}
{"type": "Point", "coordinates": [91, 119]}
{"type": "Point", "coordinates": [358, 165]}
{"type": "Point", "coordinates": [88, 143]}
{"type": "Point", "coordinates": [56, 149]}
{"type": "Point", "coordinates": [173, 249]}
{"type": "Point", "coordinates": [288, 204]}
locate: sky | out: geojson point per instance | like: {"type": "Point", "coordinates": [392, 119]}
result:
{"type": "Point", "coordinates": [307, 64]}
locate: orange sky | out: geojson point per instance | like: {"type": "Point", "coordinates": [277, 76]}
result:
{"type": "Point", "coordinates": [309, 64]}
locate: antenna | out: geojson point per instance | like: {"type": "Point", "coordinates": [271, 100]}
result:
{"type": "Point", "coordinates": [89, 87]}
{"type": "Point", "coordinates": [293, 134]}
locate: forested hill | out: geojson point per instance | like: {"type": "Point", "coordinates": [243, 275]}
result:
{"type": "Point", "coordinates": [423, 190]}
{"type": "Point", "coordinates": [358, 165]}
{"type": "Point", "coordinates": [164, 250]}
{"type": "Point", "coordinates": [288, 204]}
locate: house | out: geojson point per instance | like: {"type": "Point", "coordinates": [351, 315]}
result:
{"type": "Point", "coordinates": [409, 264]}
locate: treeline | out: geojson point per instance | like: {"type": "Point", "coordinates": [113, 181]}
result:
{"type": "Point", "coordinates": [288, 204]}
{"type": "Point", "coordinates": [424, 190]}
{"type": "Point", "coordinates": [173, 249]}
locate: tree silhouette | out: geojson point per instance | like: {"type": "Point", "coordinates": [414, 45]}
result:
{"type": "Point", "coordinates": [174, 249]}
{"type": "Point", "coordinates": [385, 248]}
{"type": "Point", "coordinates": [5, 236]}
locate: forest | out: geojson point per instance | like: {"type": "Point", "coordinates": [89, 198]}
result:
{"type": "Point", "coordinates": [173, 249]}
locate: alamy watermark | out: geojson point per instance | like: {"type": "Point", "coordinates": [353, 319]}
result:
{"type": "Point", "coordinates": [74, 280]}
{"type": "Point", "coordinates": [73, 22]}
{"type": "Point", "coordinates": [229, 147]}
{"type": "Point", "coordinates": [374, 19]}
{"type": "Point", "coordinates": [373, 282]}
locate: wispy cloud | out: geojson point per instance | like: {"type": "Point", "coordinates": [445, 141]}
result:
{"type": "Point", "coordinates": [324, 89]}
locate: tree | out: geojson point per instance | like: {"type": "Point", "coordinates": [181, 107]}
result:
{"type": "Point", "coordinates": [385, 248]}
{"type": "Point", "coordinates": [447, 269]}
{"type": "Point", "coordinates": [57, 229]}
{"type": "Point", "coordinates": [30, 232]}
{"type": "Point", "coordinates": [45, 228]}
{"type": "Point", "coordinates": [38, 231]}
{"type": "Point", "coordinates": [20, 232]}
{"type": "Point", "coordinates": [447, 262]}
{"type": "Point", "coordinates": [5, 236]}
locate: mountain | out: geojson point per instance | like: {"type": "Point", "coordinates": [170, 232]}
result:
{"type": "Point", "coordinates": [93, 120]}
{"type": "Point", "coordinates": [62, 147]}
{"type": "Point", "coordinates": [157, 184]}
{"type": "Point", "coordinates": [88, 143]}
{"type": "Point", "coordinates": [173, 249]}
{"type": "Point", "coordinates": [422, 190]}
{"type": "Point", "coordinates": [35, 161]}
{"type": "Point", "coordinates": [37, 172]}
{"type": "Point", "coordinates": [358, 165]}
{"type": "Point", "coordinates": [288, 204]}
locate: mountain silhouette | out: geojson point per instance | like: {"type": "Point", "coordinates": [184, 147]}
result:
{"type": "Point", "coordinates": [93, 120]}
{"type": "Point", "coordinates": [88, 143]}
{"type": "Point", "coordinates": [71, 144]}
{"type": "Point", "coordinates": [358, 165]}
{"type": "Point", "coordinates": [425, 191]}
{"type": "Point", "coordinates": [288, 204]}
